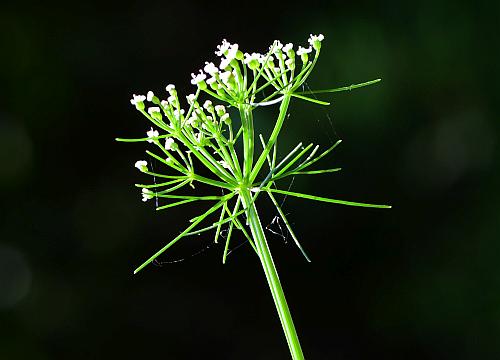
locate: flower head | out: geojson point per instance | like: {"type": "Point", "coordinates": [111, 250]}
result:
{"type": "Point", "coordinates": [233, 52]}
{"type": "Point", "coordinates": [152, 135]}
{"type": "Point", "coordinates": [170, 88]}
{"type": "Point", "coordinates": [155, 112]}
{"type": "Point", "coordinates": [252, 60]}
{"type": "Point", "coordinates": [207, 105]}
{"type": "Point", "coordinates": [220, 109]}
{"type": "Point", "coordinates": [142, 165]}
{"type": "Point", "coordinates": [210, 68]}
{"type": "Point", "coordinates": [224, 63]}
{"type": "Point", "coordinates": [276, 46]}
{"type": "Point", "coordinates": [199, 79]}
{"type": "Point", "coordinates": [170, 144]}
{"type": "Point", "coordinates": [191, 98]}
{"type": "Point", "coordinates": [150, 95]}
{"type": "Point", "coordinates": [138, 101]}
{"type": "Point", "coordinates": [303, 53]}
{"type": "Point", "coordinates": [225, 119]}
{"type": "Point", "coordinates": [221, 49]}
{"type": "Point", "coordinates": [303, 50]}
{"type": "Point", "coordinates": [147, 194]}
{"type": "Point", "coordinates": [315, 41]}
{"type": "Point", "coordinates": [153, 109]}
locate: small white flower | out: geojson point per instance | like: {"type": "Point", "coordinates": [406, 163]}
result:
{"type": "Point", "coordinates": [252, 60]}
{"type": "Point", "coordinates": [253, 57]}
{"type": "Point", "coordinates": [142, 165]}
{"type": "Point", "coordinates": [153, 109]}
{"type": "Point", "coordinates": [198, 78]}
{"type": "Point", "coordinates": [172, 99]}
{"type": "Point", "coordinates": [290, 63]}
{"type": "Point", "coordinates": [137, 99]}
{"type": "Point", "coordinates": [315, 40]}
{"type": "Point", "coordinates": [207, 104]}
{"type": "Point", "coordinates": [164, 103]}
{"type": "Point", "coordinates": [178, 114]}
{"type": "Point", "coordinates": [147, 194]}
{"type": "Point", "coordinates": [222, 48]}
{"type": "Point", "coordinates": [277, 45]}
{"type": "Point", "coordinates": [231, 53]}
{"type": "Point", "coordinates": [170, 87]}
{"type": "Point", "coordinates": [150, 95]}
{"type": "Point", "coordinates": [224, 164]}
{"type": "Point", "coordinates": [287, 47]}
{"type": "Point", "coordinates": [210, 68]}
{"type": "Point", "coordinates": [152, 134]}
{"type": "Point", "coordinates": [211, 80]}
{"type": "Point", "coordinates": [263, 59]}
{"type": "Point", "coordinates": [169, 143]}
{"type": "Point", "coordinates": [220, 110]}
{"type": "Point", "coordinates": [191, 98]}
{"type": "Point", "coordinates": [224, 63]}
{"type": "Point", "coordinates": [192, 120]}
{"type": "Point", "coordinates": [225, 118]}
{"type": "Point", "coordinates": [225, 76]}
{"type": "Point", "coordinates": [302, 50]}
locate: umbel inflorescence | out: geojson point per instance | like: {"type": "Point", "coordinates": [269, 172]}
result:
{"type": "Point", "coordinates": [206, 130]}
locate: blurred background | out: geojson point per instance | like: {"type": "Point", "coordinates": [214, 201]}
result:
{"type": "Point", "coordinates": [419, 281]}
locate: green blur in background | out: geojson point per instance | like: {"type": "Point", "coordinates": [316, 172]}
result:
{"type": "Point", "coordinates": [419, 281]}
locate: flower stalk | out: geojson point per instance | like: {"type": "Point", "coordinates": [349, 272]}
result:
{"type": "Point", "coordinates": [206, 136]}
{"type": "Point", "coordinates": [272, 276]}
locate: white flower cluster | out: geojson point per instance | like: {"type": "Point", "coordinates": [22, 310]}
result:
{"type": "Point", "coordinates": [227, 79]}
{"type": "Point", "coordinates": [169, 108]}
{"type": "Point", "coordinates": [234, 80]}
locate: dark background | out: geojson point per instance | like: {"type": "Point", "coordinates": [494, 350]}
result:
{"type": "Point", "coordinates": [419, 281]}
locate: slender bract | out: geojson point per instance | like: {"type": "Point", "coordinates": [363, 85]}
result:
{"type": "Point", "coordinates": [205, 135]}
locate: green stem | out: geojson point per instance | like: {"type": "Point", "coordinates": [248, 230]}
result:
{"type": "Point", "coordinates": [272, 138]}
{"type": "Point", "coordinates": [248, 140]}
{"type": "Point", "coordinates": [272, 276]}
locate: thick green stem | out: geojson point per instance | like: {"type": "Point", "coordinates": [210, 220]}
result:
{"type": "Point", "coordinates": [271, 275]}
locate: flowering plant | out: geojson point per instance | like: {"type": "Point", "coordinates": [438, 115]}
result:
{"type": "Point", "coordinates": [207, 135]}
